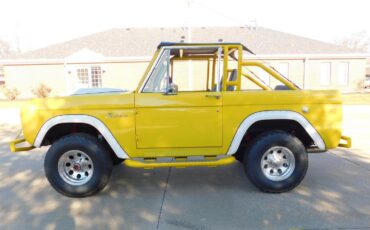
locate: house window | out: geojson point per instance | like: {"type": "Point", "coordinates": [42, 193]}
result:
{"type": "Point", "coordinates": [89, 77]}
{"type": "Point", "coordinates": [2, 76]}
{"type": "Point", "coordinates": [96, 76]}
{"type": "Point", "coordinates": [83, 75]}
{"type": "Point", "coordinates": [264, 76]}
{"type": "Point", "coordinates": [283, 69]}
{"type": "Point", "coordinates": [261, 74]}
{"type": "Point", "coordinates": [325, 72]}
{"type": "Point", "coordinates": [343, 73]}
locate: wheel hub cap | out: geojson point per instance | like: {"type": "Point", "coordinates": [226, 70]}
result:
{"type": "Point", "coordinates": [278, 163]}
{"type": "Point", "coordinates": [75, 167]}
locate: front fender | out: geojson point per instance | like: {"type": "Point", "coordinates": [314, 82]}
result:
{"type": "Point", "coordinates": [84, 119]}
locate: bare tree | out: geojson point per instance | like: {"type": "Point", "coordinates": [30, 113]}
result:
{"type": "Point", "coordinates": [359, 41]}
{"type": "Point", "coordinates": [5, 50]}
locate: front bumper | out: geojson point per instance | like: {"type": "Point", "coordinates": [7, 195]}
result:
{"type": "Point", "coordinates": [13, 145]}
{"type": "Point", "coordinates": [348, 142]}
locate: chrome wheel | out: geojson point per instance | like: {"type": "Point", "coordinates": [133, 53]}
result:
{"type": "Point", "coordinates": [75, 167]}
{"type": "Point", "coordinates": [278, 163]}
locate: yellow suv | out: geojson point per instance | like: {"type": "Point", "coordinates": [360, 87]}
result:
{"type": "Point", "coordinates": [179, 117]}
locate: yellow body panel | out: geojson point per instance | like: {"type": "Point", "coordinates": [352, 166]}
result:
{"type": "Point", "coordinates": [188, 123]}
{"type": "Point", "coordinates": [324, 110]}
{"type": "Point", "coordinates": [116, 111]}
{"type": "Point", "coordinates": [185, 120]}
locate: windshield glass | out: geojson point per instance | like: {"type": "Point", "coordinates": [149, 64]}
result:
{"type": "Point", "coordinates": [158, 79]}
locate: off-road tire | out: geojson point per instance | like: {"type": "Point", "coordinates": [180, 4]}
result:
{"type": "Point", "coordinates": [256, 150]}
{"type": "Point", "coordinates": [116, 160]}
{"type": "Point", "coordinates": [94, 149]}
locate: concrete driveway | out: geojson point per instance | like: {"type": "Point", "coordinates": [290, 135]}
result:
{"type": "Point", "coordinates": [335, 193]}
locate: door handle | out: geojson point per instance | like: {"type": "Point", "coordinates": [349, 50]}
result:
{"type": "Point", "coordinates": [217, 96]}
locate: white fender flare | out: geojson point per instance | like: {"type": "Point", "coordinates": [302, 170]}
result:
{"type": "Point", "coordinates": [83, 119]}
{"type": "Point", "coordinates": [275, 115]}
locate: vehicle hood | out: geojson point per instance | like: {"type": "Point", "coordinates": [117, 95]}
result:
{"type": "Point", "coordinates": [83, 101]}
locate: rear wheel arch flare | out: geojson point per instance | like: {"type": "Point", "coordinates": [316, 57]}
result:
{"type": "Point", "coordinates": [289, 126]}
{"type": "Point", "coordinates": [274, 115]}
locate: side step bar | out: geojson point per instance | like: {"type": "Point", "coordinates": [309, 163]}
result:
{"type": "Point", "coordinates": [179, 164]}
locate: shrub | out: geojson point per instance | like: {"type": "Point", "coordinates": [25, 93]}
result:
{"type": "Point", "coordinates": [10, 94]}
{"type": "Point", "coordinates": [41, 91]}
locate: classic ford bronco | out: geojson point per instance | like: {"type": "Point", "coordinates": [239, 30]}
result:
{"type": "Point", "coordinates": [179, 117]}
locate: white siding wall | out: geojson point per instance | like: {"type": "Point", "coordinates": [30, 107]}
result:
{"type": "Point", "coordinates": [126, 75]}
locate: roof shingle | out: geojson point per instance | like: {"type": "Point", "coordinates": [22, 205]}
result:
{"type": "Point", "coordinates": [134, 42]}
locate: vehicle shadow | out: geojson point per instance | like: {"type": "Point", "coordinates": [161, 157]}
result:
{"type": "Point", "coordinates": [28, 201]}
{"type": "Point", "coordinates": [333, 193]}
{"type": "Point", "coordinates": [200, 198]}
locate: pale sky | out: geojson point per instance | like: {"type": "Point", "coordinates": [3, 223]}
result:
{"type": "Point", "coordinates": [40, 23]}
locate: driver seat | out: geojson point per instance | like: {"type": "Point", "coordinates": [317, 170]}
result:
{"type": "Point", "coordinates": [232, 77]}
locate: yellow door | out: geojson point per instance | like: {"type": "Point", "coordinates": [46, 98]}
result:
{"type": "Point", "coordinates": [184, 120]}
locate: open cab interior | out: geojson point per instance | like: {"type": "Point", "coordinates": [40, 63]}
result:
{"type": "Point", "coordinates": [208, 67]}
